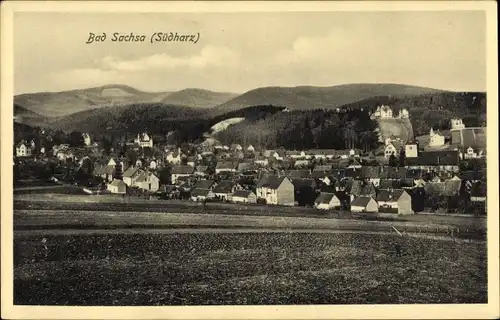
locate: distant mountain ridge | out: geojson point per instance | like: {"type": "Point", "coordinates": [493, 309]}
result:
{"type": "Point", "coordinates": [57, 104]}
{"type": "Point", "coordinates": [309, 97]}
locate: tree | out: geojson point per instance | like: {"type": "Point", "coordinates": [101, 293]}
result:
{"type": "Point", "coordinates": [75, 139]}
{"type": "Point", "coordinates": [165, 175]}
{"type": "Point", "coordinates": [402, 157]}
{"type": "Point", "coordinates": [393, 162]}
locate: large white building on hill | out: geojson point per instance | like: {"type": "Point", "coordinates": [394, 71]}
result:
{"type": "Point", "coordinates": [385, 112]}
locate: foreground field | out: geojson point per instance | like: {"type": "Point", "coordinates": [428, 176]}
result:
{"type": "Point", "coordinates": [213, 268]}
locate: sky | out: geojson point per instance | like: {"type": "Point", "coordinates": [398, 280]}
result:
{"type": "Point", "coordinates": [240, 51]}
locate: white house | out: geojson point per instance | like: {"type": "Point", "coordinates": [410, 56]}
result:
{"type": "Point", "coordinates": [276, 190]}
{"type": "Point", "coordinates": [144, 140]}
{"type": "Point", "coordinates": [23, 150]}
{"type": "Point", "coordinates": [175, 157]}
{"type": "Point", "coordinates": [435, 139]}
{"type": "Point", "coordinates": [251, 148]}
{"type": "Point", "coordinates": [382, 112]}
{"type": "Point", "coordinates": [364, 204]}
{"type": "Point", "coordinates": [411, 150]}
{"type": "Point", "coordinates": [394, 200]}
{"type": "Point", "coordinates": [131, 174]}
{"type": "Point", "coordinates": [86, 139]}
{"type": "Point", "coordinates": [243, 196]}
{"type": "Point", "coordinates": [403, 114]}
{"type": "Point", "coordinates": [327, 201]}
{"type": "Point", "coordinates": [148, 181]}
{"type": "Point", "coordinates": [393, 148]}
{"type": "Point", "coordinates": [153, 164]}
{"type": "Point", "coordinates": [181, 171]}
{"type": "Point", "coordinates": [117, 186]}
{"type": "Point", "coordinates": [457, 124]}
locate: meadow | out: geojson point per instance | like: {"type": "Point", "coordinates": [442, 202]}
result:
{"type": "Point", "coordinates": [116, 268]}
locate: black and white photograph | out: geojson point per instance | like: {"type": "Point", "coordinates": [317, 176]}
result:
{"type": "Point", "coordinates": [250, 156]}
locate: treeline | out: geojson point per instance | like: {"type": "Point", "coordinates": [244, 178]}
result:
{"type": "Point", "coordinates": [311, 129]}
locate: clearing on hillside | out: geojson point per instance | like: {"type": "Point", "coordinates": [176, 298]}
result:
{"type": "Point", "coordinates": [398, 128]}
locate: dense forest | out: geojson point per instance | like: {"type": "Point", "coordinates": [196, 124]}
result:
{"type": "Point", "coordinates": [320, 129]}
{"type": "Point", "coordinates": [434, 109]}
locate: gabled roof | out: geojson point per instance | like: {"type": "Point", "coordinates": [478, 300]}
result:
{"type": "Point", "coordinates": [270, 181]}
{"type": "Point", "coordinates": [446, 188]}
{"type": "Point", "coordinates": [389, 194]}
{"type": "Point", "coordinates": [200, 192]}
{"type": "Point", "coordinates": [145, 176]}
{"type": "Point", "coordinates": [182, 170]}
{"type": "Point", "coordinates": [242, 193]}
{"type": "Point", "coordinates": [393, 173]}
{"type": "Point", "coordinates": [244, 166]}
{"type": "Point", "coordinates": [224, 186]}
{"type": "Point", "coordinates": [326, 167]}
{"type": "Point", "coordinates": [362, 188]}
{"type": "Point", "coordinates": [131, 171]}
{"type": "Point", "coordinates": [297, 173]}
{"type": "Point", "coordinates": [118, 183]}
{"type": "Point", "coordinates": [414, 173]}
{"type": "Point", "coordinates": [361, 201]}
{"type": "Point", "coordinates": [204, 184]}
{"type": "Point", "coordinates": [226, 165]}
{"type": "Point", "coordinates": [370, 172]}
{"type": "Point", "coordinates": [435, 158]}
{"type": "Point", "coordinates": [389, 183]}
{"type": "Point", "coordinates": [202, 169]}
{"type": "Point", "coordinates": [324, 197]}
{"type": "Point", "coordinates": [352, 173]}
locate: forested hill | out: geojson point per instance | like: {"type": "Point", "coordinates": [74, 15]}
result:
{"type": "Point", "coordinates": [320, 129]}
{"type": "Point", "coordinates": [434, 109]}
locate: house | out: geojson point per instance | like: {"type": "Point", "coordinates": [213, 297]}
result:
{"type": "Point", "coordinates": [251, 148]}
{"type": "Point", "coordinates": [296, 174]}
{"type": "Point", "coordinates": [371, 174]}
{"type": "Point", "coordinates": [148, 181]}
{"type": "Point", "coordinates": [411, 150]}
{"type": "Point", "coordinates": [205, 184]}
{"type": "Point", "coordinates": [268, 153]}
{"type": "Point", "coordinates": [104, 171]}
{"type": "Point", "coordinates": [456, 124]}
{"type": "Point", "coordinates": [296, 154]}
{"type": "Point", "coordinates": [279, 155]}
{"type": "Point", "coordinates": [277, 190]}
{"type": "Point", "coordinates": [153, 164]}
{"type": "Point", "coordinates": [181, 171]}
{"type": "Point", "coordinates": [436, 139]}
{"type": "Point", "coordinates": [323, 168]}
{"type": "Point", "coordinates": [362, 188]}
{"type": "Point", "coordinates": [236, 147]}
{"type": "Point", "coordinates": [322, 153]}
{"type": "Point", "coordinates": [403, 114]}
{"type": "Point", "coordinates": [225, 166]}
{"type": "Point", "coordinates": [175, 157]}
{"type": "Point", "coordinates": [326, 201]}
{"type": "Point", "coordinates": [23, 149]}
{"type": "Point", "coordinates": [224, 189]}
{"type": "Point", "coordinates": [117, 186]}
{"type": "Point", "coordinates": [394, 200]}
{"type": "Point", "coordinates": [346, 154]}
{"type": "Point", "coordinates": [471, 154]}
{"type": "Point", "coordinates": [354, 163]}
{"type": "Point", "coordinates": [86, 139]}
{"type": "Point", "coordinates": [191, 161]}
{"type": "Point", "coordinates": [301, 163]}
{"type": "Point", "coordinates": [435, 161]}
{"type": "Point", "coordinates": [382, 112]}
{"type": "Point", "coordinates": [246, 166]}
{"type": "Point", "coordinates": [393, 148]}
{"type": "Point", "coordinates": [143, 140]}
{"type": "Point", "coordinates": [364, 204]}
{"type": "Point", "coordinates": [244, 196]}
{"type": "Point", "coordinates": [201, 171]}
{"type": "Point", "coordinates": [201, 194]}
{"type": "Point", "coordinates": [131, 174]}
{"type": "Point", "coordinates": [63, 155]}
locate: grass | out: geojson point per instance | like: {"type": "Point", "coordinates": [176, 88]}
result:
{"type": "Point", "coordinates": [244, 268]}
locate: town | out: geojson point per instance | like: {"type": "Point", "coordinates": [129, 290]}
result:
{"type": "Point", "coordinates": [441, 172]}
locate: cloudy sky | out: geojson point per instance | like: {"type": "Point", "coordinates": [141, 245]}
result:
{"type": "Point", "coordinates": [237, 52]}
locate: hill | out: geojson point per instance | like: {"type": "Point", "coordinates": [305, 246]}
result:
{"type": "Point", "coordinates": [198, 98]}
{"type": "Point", "coordinates": [307, 97]}
{"type": "Point", "coordinates": [132, 118]}
{"type": "Point", "coordinates": [28, 117]}
{"type": "Point", "coordinates": [57, 104]}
